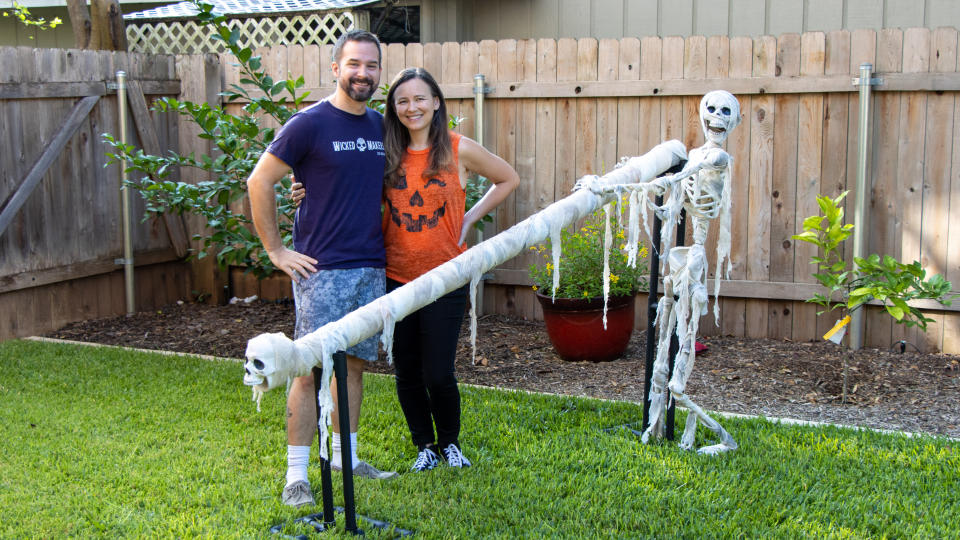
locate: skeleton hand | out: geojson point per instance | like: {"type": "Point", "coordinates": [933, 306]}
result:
{"type": "Point", "coordinates": [658, 186]}
{"type": "Point", "coordinates": [590, 182]}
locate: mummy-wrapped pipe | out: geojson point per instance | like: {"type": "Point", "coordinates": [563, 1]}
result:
{"type": "Point", "coordinates": [288, 359]}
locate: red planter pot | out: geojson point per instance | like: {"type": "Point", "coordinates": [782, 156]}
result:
{"type": "Point", "coordinates": [575, 326]}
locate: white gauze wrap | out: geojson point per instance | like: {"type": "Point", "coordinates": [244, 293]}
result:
{"type": "Point", "coordinates": [723, 242]}
{"type": "Point", "coordinates": [633, 228]}
{"type": "Point", "coordinates": [474, 282]}
{"type": "Point", "coordinates": [555, 250]}
{"type": "Point", "coordinates": [297, 358]}
{"type": "Point", "coordinates": [607, 243]}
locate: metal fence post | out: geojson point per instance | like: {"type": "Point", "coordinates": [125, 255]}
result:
{"type": "Point", "coordinates": [127, 260]}
{"type": "Point", "coordinates": [479, 89]}
{"type": "Point", "coordinates": [860, 216]}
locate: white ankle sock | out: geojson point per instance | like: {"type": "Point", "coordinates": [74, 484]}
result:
{"type": "Point", "coordinates": [297, 459]}
{"type": "Point", "coordinates": [337, 460]}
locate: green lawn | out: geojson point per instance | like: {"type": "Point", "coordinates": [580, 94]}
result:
{"type": "Point", "coordinates": [108, 443]}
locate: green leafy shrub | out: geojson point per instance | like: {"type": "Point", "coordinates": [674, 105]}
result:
{"type": "Point", "coordinates": [239, 140]}
{"type": "Point", "coordinates": [885, 279]}
{"type": "Point", "coordinates": [581, 262]}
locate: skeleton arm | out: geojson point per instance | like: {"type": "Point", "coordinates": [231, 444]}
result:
{"type": "Point", "coordinates": [705, 157]}
{"type": "Point", "coordinates": [657, 186]}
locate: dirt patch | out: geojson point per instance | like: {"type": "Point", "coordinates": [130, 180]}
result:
{"type": "Point", "coordinates": [909, 391]}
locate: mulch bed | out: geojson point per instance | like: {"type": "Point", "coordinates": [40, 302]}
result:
{"type": "Point", "coordinates": [909, 391]}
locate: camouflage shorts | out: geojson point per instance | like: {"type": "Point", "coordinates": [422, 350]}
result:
{"type": "Point", "coordinates": [329, 295]}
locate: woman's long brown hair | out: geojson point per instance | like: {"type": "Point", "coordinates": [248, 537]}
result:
{"type": "Point", "coordinates": [396, 137]}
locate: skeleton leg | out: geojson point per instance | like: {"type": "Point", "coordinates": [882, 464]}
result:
{"type": "Point", "coordinates": [695, 297]}
{"type": "Point", "coordinates": [678, 383]}
{"type": "Point", "coordinates": [726, 440]}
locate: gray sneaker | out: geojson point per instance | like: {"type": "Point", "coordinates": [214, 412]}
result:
{"type": "Point", "coordinates": [367, 470]}
{"type": "Point", "coordinates": [297, 494]}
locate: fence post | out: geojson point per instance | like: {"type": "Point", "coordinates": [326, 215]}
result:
{"type": "Point", "coordinates": [479, 89]}
{"type": "Point", "coordinates": [127, 260]}
{"type": "Point", "coordinates": [860, 210]}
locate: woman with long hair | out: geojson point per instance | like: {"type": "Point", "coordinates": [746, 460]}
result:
{"type": "Point", "coordinates": [425, 225]}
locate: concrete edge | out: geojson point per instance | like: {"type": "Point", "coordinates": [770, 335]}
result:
{"type": "Point", "coordinates": [131, 349]}
{"type": "Point", "coordinates": [775, 420]}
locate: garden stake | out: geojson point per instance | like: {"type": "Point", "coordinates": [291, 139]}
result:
{"type": "Point", "coordinates": [671, 418]}
{"type": "Point", "coordinates": [350, 509]}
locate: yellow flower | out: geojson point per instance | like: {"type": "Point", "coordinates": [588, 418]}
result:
{"type": "Point", "coordinates": [614, 278]}
{"type": "Point", "coordinates": [534, 287]}
{"type": "Point", "coordinates": [623, 247]}
{"type": "Point", "coordinates": [549, 267]}
{"type": "Point", "coordinates": [643, 252]}
{"type": "Point", "coordinates": [585, 294]}
{"type": "Point", "coordinates": [620, 235]}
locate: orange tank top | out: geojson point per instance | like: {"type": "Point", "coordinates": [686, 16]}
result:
{"type": "Point", "coordinates": [423, 216]}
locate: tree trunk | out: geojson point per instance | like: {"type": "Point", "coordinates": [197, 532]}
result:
{"type": "Point", "coordinates": [847, 358]}
{"type": "Point", "coordinates": [108, 30]}
{"type": "Point", "coordinates": [101, 27]}
{"type": "Point", "coordinates": [80, 20]}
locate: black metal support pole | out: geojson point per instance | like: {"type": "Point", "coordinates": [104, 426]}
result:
{"type": "Point", "coordinates": [326, 484]}
{"type": "Point", "coordinates": [343, 409]}
{"type": "Point", "coordinates": [674, 341]}
{"type": "Point", "coordinates": [652, 313]}
{"type": "Point", "coordinates": [654, 290]}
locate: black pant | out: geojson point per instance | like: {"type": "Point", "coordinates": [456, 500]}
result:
{"type": "Point", "coordinates": [424, 351]}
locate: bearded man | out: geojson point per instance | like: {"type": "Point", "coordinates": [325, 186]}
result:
{"type": "Point", "coordinates": [335, 148]}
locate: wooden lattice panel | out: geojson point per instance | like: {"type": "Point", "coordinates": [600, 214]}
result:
{"type": "Point", "coordinates": [189, 37]}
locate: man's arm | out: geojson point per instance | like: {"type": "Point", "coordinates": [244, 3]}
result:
{"type": "Point", "coordinates": [270, 170]}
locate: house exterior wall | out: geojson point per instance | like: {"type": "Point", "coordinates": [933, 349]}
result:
{"type": "Point", "coordinates": [475, 20]}
{"type": "Point", "coordinates": [15, 34]}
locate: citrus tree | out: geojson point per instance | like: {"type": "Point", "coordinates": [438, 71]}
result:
{"type": "Point", "coordinates": [881, 278]}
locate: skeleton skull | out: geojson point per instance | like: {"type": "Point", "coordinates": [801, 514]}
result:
{"type": "Point", "coordinates": [270, 358]}
{"type": "Point", "coordinates": [719, 114]}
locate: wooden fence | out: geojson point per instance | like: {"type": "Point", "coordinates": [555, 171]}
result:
{"type": "Point", "coordinates": [561, 109]}
{"type": "Point", "coordinates": [60, 224]}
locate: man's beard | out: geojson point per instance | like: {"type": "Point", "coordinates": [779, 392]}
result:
{"type": "Point", "coordinates": [358, 95]}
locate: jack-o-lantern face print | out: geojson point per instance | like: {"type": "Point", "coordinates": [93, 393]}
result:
{"type": "Point", "coordinates": [420, 209]}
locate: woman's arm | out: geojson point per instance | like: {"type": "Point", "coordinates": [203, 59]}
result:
{"type": "Point", "coordinates": [477, 159]}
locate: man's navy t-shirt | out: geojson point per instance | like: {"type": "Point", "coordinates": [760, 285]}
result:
{"type": "Point", "coordinates": [339, 158]}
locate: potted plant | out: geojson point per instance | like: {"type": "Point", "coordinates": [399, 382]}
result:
{"type": "Point", "coordinates": [574, 315]}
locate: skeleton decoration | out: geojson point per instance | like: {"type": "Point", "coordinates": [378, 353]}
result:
{"type": "Point", "coordinates": [273, 359]}
{"type": "Point", "coordinates": [703, 188]}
